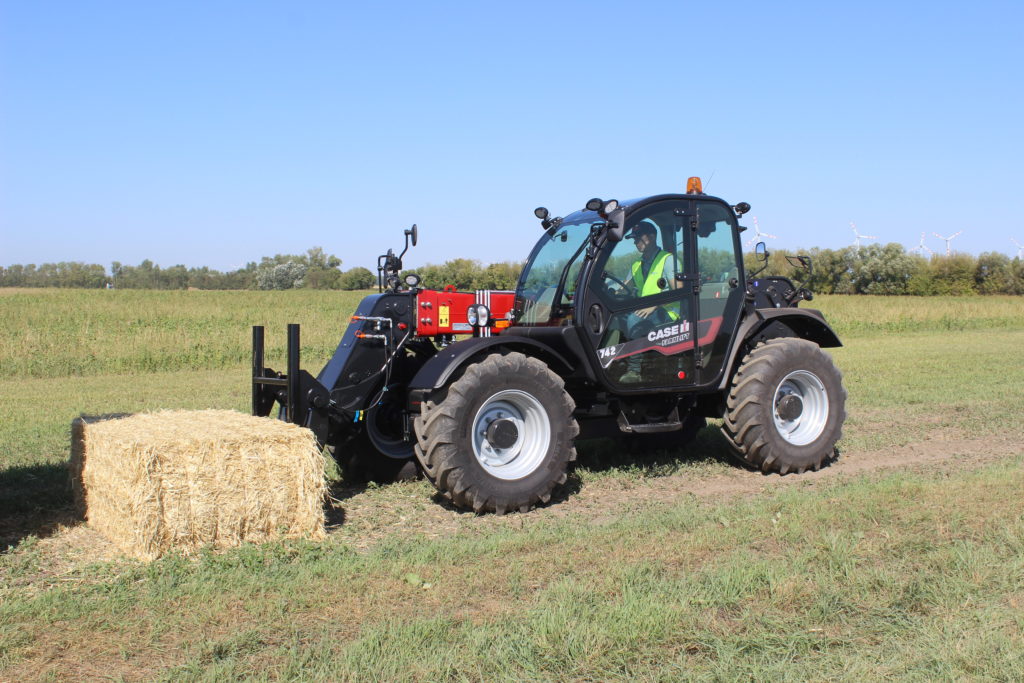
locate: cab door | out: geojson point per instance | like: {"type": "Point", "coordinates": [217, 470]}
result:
{"type": "Point", "coordinates": [640, 300]}
{"type": "Point", "coordinates": [718, 277]}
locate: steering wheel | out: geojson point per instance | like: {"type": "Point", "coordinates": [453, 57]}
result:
{"type": "Point", "coordinates": [629, 288]}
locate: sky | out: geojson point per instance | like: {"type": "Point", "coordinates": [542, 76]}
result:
{"type": "Point", "coordinates": [215, 133]}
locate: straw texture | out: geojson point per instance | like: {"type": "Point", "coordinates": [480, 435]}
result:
{"type": "Point", "coordinates": [154, 482]}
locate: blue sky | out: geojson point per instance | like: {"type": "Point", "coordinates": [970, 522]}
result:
{"type": "Point", "coordinates": [215, 133]}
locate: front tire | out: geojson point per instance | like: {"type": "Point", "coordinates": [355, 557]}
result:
{"type": "Point", "coordinates": [786, 407]}
{"type": "Point", "coordinates": [500, 437]}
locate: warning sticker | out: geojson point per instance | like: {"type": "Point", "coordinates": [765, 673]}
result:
{"type": "Point", "coordinates": [443, 319]}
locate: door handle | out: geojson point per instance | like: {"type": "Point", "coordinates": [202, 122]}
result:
{"type": "Point", "coordinates": [595, 319]}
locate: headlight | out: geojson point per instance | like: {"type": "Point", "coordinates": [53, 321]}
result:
{"type": "Point", "coordinates": [483, 315]}
{"type": "Point", "coordinates": [412, 280]}
{"type": "Point", "coordinates": [478, 315]}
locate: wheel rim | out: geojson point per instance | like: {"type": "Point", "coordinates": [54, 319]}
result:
{"type": "Point", "coordinates": [523, 454]}
{"type": "Point", "coordinates": [800, 407]}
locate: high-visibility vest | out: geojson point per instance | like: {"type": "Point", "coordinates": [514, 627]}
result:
{"type": "Point", "coordinates": [650, 285]}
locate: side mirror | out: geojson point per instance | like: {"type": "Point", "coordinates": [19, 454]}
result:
{"type": "Point", "coordinates": [413, 233]}
{"type": "Point", "coordinates": [616, 225]}
{"type": "Point", "coordinates": [761, 251]}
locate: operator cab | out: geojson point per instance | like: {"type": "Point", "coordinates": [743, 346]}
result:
{"type": "Point", "coordinates": [652, 289]}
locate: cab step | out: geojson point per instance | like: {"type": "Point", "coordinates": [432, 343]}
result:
{"type": "Point", "coordinates": [672, 423]}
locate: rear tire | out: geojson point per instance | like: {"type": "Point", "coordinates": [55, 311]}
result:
{"type": "Point", "coordinates": [500, 437]}
{"type": "Point", "coordinates": [362, 463]}
{"type": "Point", "coordinates": [786, 407]}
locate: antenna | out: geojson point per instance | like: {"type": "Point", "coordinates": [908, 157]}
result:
{"type": "Point", "coordinates": [708, 182]}
{"type": "Point", "coordinates": [1020, 248]}
{"type": "Point", "coordinates": [921, 248]}
{"type": "Point", "coordinates": [858, 236]}
{"type": "Point", "coordinates": [758, 233]}
{"type": "Point", "coordinates": [947, 239]}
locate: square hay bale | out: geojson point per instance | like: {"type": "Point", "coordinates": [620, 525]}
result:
{"type": "Point", "coordinates": [182, 479]}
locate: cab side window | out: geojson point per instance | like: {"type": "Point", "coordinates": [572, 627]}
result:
{"type": "Point", "coordinates": [716, 256]}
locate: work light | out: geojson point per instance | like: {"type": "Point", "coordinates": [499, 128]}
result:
{"type": "Point", "coordinates": [478, 315]}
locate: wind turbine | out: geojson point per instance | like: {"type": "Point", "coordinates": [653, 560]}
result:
{"type": "Point", "coordinates": [921, 248]}
{"type": "Point", "coordinates": [758, 233]}
{"type": "Point", "coordinates": [947, 239]}
{"type": "Point", "coordinates": [1020, 248]}
{"type": "Point", "coordinates": [859, 237]}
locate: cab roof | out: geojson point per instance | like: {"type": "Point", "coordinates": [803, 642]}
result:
{"type": "Point", "coordinates": [631, 204]}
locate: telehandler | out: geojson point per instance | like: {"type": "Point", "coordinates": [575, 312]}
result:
{"type": "Point", "coordinates": [634, 318]}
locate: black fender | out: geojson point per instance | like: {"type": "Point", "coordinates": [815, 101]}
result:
{"type": "Point", "coordinates": [437, 371]}
{"type": "Point", "coordinates": [769, 323]}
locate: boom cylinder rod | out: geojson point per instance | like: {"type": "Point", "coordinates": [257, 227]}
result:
{"type": "Point", "coordinates": [293, 373]}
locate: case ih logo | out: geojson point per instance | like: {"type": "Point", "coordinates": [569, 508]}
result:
{"type": "Point", "coordinates": [671, 334]}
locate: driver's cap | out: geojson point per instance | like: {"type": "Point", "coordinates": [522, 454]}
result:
{"type": "Point", "coordinates": [643, 228]}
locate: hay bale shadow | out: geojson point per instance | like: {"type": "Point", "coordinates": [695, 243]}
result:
{"type": "Point", "coordinates": [35, 500]}
{"type": "Point", "coordinates": [334, 510]}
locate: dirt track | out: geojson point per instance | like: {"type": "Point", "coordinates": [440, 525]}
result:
{"type": "Point", "coordinates": [368, 518]}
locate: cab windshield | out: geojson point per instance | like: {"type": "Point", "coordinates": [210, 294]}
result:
{"type": "Point", "coordinates": [556, 254]}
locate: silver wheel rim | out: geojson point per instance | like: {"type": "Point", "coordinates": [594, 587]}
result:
{"type": "Point", "coordinates": [533, 438]}
{"type": "Point", "coordinates": [810, 423]}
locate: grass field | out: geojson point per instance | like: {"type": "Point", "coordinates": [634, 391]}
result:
{"type": "Point", "coordinates": [905, 558]}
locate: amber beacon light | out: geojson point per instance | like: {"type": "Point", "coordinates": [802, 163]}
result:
{"type": "Point", "coordinates": [693, 186]}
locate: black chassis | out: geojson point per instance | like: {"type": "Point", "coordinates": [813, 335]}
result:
{"type": "Point", "coordinates": [334, 403]}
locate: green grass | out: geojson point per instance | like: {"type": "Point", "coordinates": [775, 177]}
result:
{"type": "Point", "coordinates": [880, 315]}
{"type": "Point", "coordinates": [864, 586]}
{"type": "Point", "coordinates": [67, 332]}
{"type": "Point", "coordinates": [914, 574]}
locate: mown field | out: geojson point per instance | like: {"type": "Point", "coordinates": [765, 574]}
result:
{"type": "Point", "coordinates": [905, 558]}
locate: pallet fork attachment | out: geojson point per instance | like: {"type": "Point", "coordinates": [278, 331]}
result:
{"type": "Point", "coordinates": [269, 386]}
{"type": "Point", "coordinates": [304, 400]}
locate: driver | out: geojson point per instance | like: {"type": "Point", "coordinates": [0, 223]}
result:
{"type": "Point", "coordinates": [654, 271]}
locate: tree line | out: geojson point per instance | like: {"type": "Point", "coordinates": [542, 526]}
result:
{"type": "Point", "coordinates": [890, 269]}
{"type": "Point", "coordinates": [314, 269]}
{"type": "Point", "coordinates": [874, 269]}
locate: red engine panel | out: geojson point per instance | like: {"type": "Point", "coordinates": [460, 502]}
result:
{"type": "Point", "coordinates": [444, 311]}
